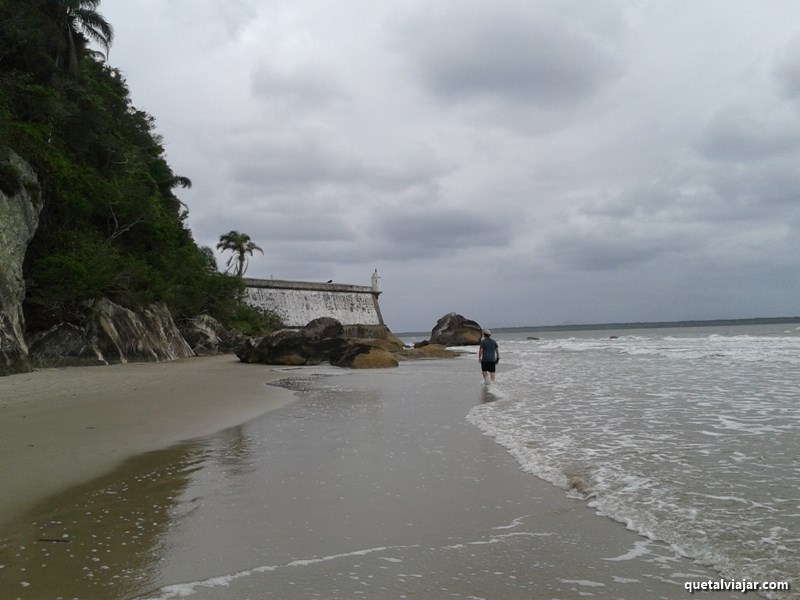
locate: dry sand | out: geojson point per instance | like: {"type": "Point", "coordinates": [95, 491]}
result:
{"type": "Point", "coordinates": [60, 427]}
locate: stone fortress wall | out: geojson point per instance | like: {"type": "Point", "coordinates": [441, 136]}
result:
{"type": "Point", "coordinates": [298, 302]}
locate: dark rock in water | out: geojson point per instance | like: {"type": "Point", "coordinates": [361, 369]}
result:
{"type": "Point", "coordinates": [421, 344]}
{"type": "Point", "coordinates": [613, 337]}
{"type": "Point", "coordinates": [455, 330]}
{"type": "Point", "coordinates": [427, 351]}
{"type": "Point", "coordinates": [110, 334]}
{"type": "Point", "coordinates": [390, 344]}
{"type": "Point", "coordinates": [363, 356]}
{"type": "Point", "coordinates": [20, 205]}
{"type": "Point", "coordinates": [532, 338]}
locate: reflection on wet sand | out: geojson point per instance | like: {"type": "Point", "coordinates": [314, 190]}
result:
{"type": "Point", "coordinates": [106, 538]}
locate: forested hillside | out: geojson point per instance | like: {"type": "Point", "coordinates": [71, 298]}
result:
{"type": "Point", "coordinates": [112, 224]}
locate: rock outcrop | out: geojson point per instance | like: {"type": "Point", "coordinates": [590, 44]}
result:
{"type": "Point", "coordinates": [428, 351]}
{"type": "Point", "coordinates": [363, 356]}
{"type": "Point", "coordinates": [108, 334]}
{"type": "Point", "coordinates": [322, 340]}
{"type": "Point", "coordinates": [455, 330]}
{"type": "Point", "coordinates": [20, 205]}
{"type": "Point", "coordinates": [207, 336]}
{"type": "Point", "coordinates": [311, 345]}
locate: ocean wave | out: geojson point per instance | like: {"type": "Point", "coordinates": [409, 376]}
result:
{"type": "Point", "coordinates": [689, 441]}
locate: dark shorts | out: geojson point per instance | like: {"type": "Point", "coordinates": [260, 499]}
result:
{"type": "Point", "coordinates": [487, 366]}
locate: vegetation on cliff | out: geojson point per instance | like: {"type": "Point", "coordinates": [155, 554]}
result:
{"type": "Point", "coordinates": [112, 224]}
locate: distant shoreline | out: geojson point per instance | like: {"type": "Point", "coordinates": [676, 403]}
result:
{"type": "Point", "coordinates": [654, 325]}
{"type": "Point", "coordinates": [635, 325]}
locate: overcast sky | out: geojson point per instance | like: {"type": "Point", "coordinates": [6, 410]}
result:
{"type": "Point", "coordinates": [521, 162]}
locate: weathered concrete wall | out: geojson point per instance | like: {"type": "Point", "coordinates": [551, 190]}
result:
{"type": "Point", "coordinates": [299, 302]}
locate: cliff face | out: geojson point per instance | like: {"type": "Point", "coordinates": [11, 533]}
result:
{"type": "Point", "coordinates": [20, 204]}
{"type": "Point", "coordinates": [107, 334]}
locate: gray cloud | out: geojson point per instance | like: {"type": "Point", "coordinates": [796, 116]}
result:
{"type": "Point", "coordinates": [520, 162]}
{"type": "Point", "coordinates": [787, 69]}
{"type": "Point", "coordinates": [310, 88]}
{"type": "Point", "coordinates": [435, 231]}
{"type": "Point", "coordinates": [739, 136]}
{"type": "Point", "coordinates": [509, 52]}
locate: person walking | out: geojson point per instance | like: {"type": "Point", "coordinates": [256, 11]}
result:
{"type": "Point", "coordinates": [489, 356]}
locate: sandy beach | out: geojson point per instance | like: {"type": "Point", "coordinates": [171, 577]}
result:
{"type": "Point", "coordinates": [368, 485]}
{"type": "Point", "coordinates": [60, 427]}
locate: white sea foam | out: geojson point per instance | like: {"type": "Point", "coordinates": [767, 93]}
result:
{"type": "Point", "coordinates": [184, 590]}
{"type": "Point", "coordinates": [685, 437]}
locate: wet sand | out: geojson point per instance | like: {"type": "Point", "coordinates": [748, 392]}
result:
{"type": "Point", "coordinates": [369, 485]}
{"type": "Point", "coordinates": [62, 427]}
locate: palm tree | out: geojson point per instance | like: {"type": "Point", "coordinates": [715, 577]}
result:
{"type": "Point", "coordinates": [77, 23]}
{"type": "Point", "coordinates": [240, 245]}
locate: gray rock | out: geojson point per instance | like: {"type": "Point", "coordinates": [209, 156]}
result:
{"type": "Point", "coordinates": [293, 346]}
{"type": "Point", "coordinates": [63, 345]}
{"type": "Point", "coordinates": [20, 205]}
{"type": "Point", "coordinates": [206, 336]}
{"type": "Point", "coordinates": [324, 327]}
{"type": "Point", "coordinates": [321, 340]}
{"type": "Point", "coordinates": [363, 356]}
{"type": "Point", "coordinates": [247, 350]}
{"type": "Point", "coordinates": [111, 334]}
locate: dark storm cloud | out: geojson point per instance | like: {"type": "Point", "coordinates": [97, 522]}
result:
{"type": "Point", "coordinates": [505, 51]}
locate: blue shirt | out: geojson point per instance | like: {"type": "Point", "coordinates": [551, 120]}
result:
{"type": "Point", "coordinates": [489, 347]}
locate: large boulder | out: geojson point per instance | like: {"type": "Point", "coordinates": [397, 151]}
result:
{"type": "Point", "coordinates": [323, 327]}
{"type": "Point", "coordinates": [455, 330]}
{"type": "Point", "coordinates": [390, 344]}
{"type": "Point", "coordinates": [363, 356]}
{"type": "Point", "coordinates": [247, 350]}
{"type": "Point", "coordinates": [110, 333]}
{"type": "Point", "coordinates": [426, 351]}
{"type": "Point", "coordinates": [323, 339]}
{"type": "Point", "coordinates": [311, 345]}
{"type": "Point", "coordinates": [20, 205]}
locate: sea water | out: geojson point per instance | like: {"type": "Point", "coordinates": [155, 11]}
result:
{"type": "Point", "coordinates": [690, 436]}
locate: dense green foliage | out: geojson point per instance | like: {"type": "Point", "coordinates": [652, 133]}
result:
{"type": "Point", "coordinates": [111, 224]}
